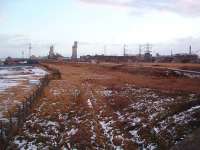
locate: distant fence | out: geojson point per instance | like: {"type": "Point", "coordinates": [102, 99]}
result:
{"type": "Point", "coordinates": [9, 128]}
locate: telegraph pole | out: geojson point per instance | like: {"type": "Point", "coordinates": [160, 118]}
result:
{"type": "Point", "coordinates": [29, 48]}
{"type": "Point", "coordinates": [23, 54]}
{"type": "Point", "coordinates": [190, 50]}
{"type": "Point", "coordinates": [140, 50]}
{"type": "Point", "coordinates": [124, 49]}
{"type": "Point", "coordinates": [148, 47]}
{"type": "Point", "coordinates": [104, 48]}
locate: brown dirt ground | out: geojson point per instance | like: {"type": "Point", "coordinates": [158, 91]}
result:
{"type": "Point", "coordinates": [88, 79]}
{"type": "Point", "coordinates": [129, 74]}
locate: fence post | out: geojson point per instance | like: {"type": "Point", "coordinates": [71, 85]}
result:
{"type": "Point", "coordinates": [19, 116]}
{"type": "Point", "coordinates": [10, 121]}
{"type": "Point", "coordinates": [26, 106]}
{"type": "Point", "coordinates": [1, 128]}
{"type": "Point", "coordinates": [23, 111]}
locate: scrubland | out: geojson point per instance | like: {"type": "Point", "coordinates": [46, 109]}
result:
{"type": "Point", "coordinates": [113, 106]}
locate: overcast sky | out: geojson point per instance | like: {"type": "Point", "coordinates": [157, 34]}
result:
{"type": "Point", "coordinates": [100, 26]}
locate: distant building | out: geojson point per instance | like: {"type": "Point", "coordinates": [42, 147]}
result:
{"type": "Point", "coordinates": [74, 50]}
{"type": "Point", "coordinates": [164, 59]}
{"type": "Point", "coordinates": [178, 58]}
{"type": "Point", "coordinates": [51, 52]}
{"type": "Point", "coordinates": [53, 55]}
{"type": "Point", "coordinates": [15, 61]}
{"type": "Point", "coordinates": [1, 62]}
{"type": "Point", "coordinates": [147, 57]}
{"type": "Point", "coordinates": [33, 60]}
{"type": "Point", "coordinates": [59, 56]}
{"type": "Point", "coordinates": [102, 58]}
{"type": "Point", "coordinates": [33, 57]}
{"type": "Point", "coordinates": [10, 61]}
{"type": "Point", "coordinates": [186, 58]}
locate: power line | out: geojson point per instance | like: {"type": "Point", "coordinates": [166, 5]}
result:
{"type": "Point", "coordinates": [30, 48]}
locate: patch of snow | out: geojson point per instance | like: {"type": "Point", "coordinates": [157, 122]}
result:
{"type": "Point", "coordinates": [25, 145]}
{"type": "Point", "coordinates": [5, 84]}
{"type": "Point", "coordinates": [152, 147]}
{"type": "Point", "coordinates": [156, 130]}
{"type": "Point", "coordinates": [72, 132]}
{"type": "Point", "coordinates": [38, 71]}
{"type": "Point", "coordinates": [20, 143]}
{"type": "Point", "coordinates": [51, 123]}
{"type": "Point", "coordinates": [12, 76]}
{"type": "Point", "coordinates": [107, 93]}
{"type": "Point", "coordinates": [34, 82]}
{"type": "Point", "coordinates": [152, 116]}
{"type": "Point", "coordinates": [89, 103]}
{"type": "Point", "coordinates": [56, 92]}
{"type": "Point", "coordinates": [107, 129]}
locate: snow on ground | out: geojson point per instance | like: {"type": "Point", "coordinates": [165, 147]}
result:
{"type": "Point", "coordinates": [72, 132]}
{"type": "Point", "coordinates": [89, 103]}
{"type": "Point", "coordinates": [146, 108]}
{"type": "Point", "coordinates": [7, 83]}
{"type": "Point", "coordinates": [177, 126]}
{"type": "Point", "coordinates": [13, 81]}
{"type": "Point", "coordinates": [107, 92]}
{"type": "Point", "coordinates": [23, 146]}
{"type": "Point", "coordinates": [12, 76]}
{"type": "Point", "coordinates": [116, 116]}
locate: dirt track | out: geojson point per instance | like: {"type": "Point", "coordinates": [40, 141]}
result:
{"type": "Point", "coordinates": [110, 108]}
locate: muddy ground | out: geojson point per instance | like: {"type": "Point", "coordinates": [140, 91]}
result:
{"type": "Point", "coordinates": [109, 106]}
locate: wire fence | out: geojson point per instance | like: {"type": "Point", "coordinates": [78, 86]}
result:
{"type": "Point", "coordinates": [10, 128]}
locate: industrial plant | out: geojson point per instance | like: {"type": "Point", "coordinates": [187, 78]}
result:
{"type": "Point", "coordinates": [99, 75]}
{"type": "Point", "coordinates": [123, 101]}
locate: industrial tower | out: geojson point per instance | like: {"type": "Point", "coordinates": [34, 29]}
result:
{"type": "Point", "coordinates": [74, 50]}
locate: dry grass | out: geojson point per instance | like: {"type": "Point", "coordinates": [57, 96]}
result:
{"type": "Point", "coordinates": [98, 106]}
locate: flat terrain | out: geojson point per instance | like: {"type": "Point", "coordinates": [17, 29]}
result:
{"type": "Point", "coordinates": [16, 84]}
{"type": "Point", "coordinates": [113, 106]}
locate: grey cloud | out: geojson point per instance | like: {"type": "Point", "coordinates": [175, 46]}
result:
{"type": "Point", "coordinates": [182, 7]}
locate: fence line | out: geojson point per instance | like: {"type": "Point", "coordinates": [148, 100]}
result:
{"type": "Point", "coordinates": [16, 119]}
